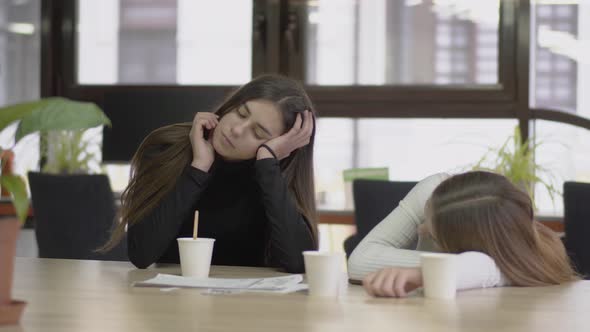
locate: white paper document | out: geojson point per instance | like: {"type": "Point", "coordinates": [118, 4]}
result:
{"type": "Point", "coordinates": [284, 284]}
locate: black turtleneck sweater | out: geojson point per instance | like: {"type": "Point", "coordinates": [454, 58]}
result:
{"type": "Point", "coordinates": [245, 206]}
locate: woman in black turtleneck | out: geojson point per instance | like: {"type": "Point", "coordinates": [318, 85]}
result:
{"type": "Point", "coordinates": [247, 168]}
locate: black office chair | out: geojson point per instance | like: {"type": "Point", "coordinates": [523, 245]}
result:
{"type": "Point", "coordinates": [576, 199]}
{"type": "Point", "coordinates": [373, 201]}
{"type": "Point", "coordinates": [73, 216]}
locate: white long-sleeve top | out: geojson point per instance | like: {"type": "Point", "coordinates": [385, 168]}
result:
{"type": "Point", "coordinates": [395, 242]}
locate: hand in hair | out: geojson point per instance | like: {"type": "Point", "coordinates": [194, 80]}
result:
{"type": "Point", "coordinates": [393, 281]}
{"type": "Point", "coordinates": [298, 136]}
{"type": "Point", "coordinates": [203, 152]}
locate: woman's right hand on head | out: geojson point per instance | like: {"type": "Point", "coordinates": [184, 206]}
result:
{"type": "Point", "coordinates": [203, 152]}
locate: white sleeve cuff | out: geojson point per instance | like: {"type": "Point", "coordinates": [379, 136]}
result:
{"type": "Point", "coordinates": [478, 270]}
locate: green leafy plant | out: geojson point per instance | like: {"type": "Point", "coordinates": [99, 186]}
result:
{"type": "Point", "coordinates": [515, 160]}
{"type": "Point", "coordinates": [70, 152]}
{"type": "Point", "coordinates": [44, 115]}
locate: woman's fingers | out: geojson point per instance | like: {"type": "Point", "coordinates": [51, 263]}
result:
{"type": "Point", "coordinates": [388, 282]}
{"type": "Point", "coordinates": [197, 128]}
{"type": "Point", "coordinates": [307, 128]}
{"type": "Point", "coordinates": [414, 280]}
{"type": "Point", "coordinates": [378, 283]}
{"type": "Point", "coordinates": [207, 115]}
{"type": "Point", "coordinates": [296, 126]}
{"type": "Point", "coordinates": [298, 136]}
{"type": "Point", "coordinates": [393, 282]}
{"type": "Point", "coordinates": [203, 120]}
{"type": "Point", "coordinates": [367, 283]}
{"type": "Point", "coordinates": [308, 125]}
{"type": "Point", "coordinates": [206, 123]}
{"type": "Point", "coordinates": [301, 136]}
{"type": "Point", "coordinates": [209, 120]}
{"type": "Point", "coordinates": [399, 285]}
{"type": "Point", "coordinates": [302, 128]}
{"type": "Point", "coordinates": [385, 287]}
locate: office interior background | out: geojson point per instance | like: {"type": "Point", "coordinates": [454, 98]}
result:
{"type": "Point", "coordinates": [417, 86]}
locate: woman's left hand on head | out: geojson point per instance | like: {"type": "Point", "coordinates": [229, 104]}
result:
{"type": "Point", "coordinates": [298, 136]}
{"type": "Point", "coordinates": [393, 282]}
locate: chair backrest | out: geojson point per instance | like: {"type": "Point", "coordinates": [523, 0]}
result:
{"type": "Point", "coordinates": [73, 216]}
{"type": "Point", "coordinates": [374, 200]}
{"type": "Point", "coordinates": [576, 199]}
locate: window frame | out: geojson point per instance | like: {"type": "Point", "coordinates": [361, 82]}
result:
{"type": "Point", "coordinates": [273, 20]}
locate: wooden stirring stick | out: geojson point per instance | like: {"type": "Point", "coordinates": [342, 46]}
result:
{"type": "Point", "coordinates": [196, 225]}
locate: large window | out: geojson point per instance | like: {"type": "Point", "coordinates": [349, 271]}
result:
{"type": "Point", "coordinates": [402, 42]}
{"type": "Point", "coordinates": [564, 152]}
{"type": "Point", "coordinates": [560, 79]}
{"type": "Point", "coordinates": [411, 149]}
{"type": "Point", "coordinates": [164, 42]}
{"type": "Point", "coordinates": [20, 71]}
{"type": "Point", "coordinates": [398, 83]}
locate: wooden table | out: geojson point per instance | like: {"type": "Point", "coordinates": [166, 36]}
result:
{"type": "Point", "coordinates": [69, 295]}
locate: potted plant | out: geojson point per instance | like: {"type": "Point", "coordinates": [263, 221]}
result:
{"type": "Point", "coordinates": [37, 116]}
{"type": "Point", "coordinates": [515, 160]}
{"type": "Point", "coordinates": [72, 199]}
{"type": "Point", "coordinates": [74, 207]}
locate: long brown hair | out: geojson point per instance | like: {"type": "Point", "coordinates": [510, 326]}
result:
{"type": "Point", "coordinates": [485, 212]}
{"type": "Point", "coordinates": [164, 154]}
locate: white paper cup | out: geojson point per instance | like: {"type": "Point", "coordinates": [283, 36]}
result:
{"type": "Point", "coordinates": [439, 273]}
{"type": "Point", "coordinates": [324, 272]}
{"type": "Point", "coordinates": [195, 256]}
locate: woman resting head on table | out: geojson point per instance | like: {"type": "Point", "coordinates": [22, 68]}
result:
{"type": "Point", "coordinates": [247, 168]}
{"type": "Point", "coordinates": [485, 213]}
